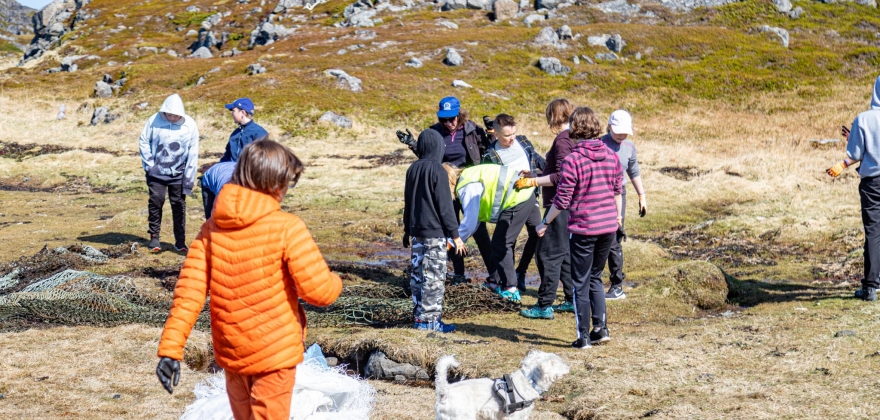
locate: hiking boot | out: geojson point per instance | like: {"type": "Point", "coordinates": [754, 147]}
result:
{"type": "Point", "coordinates": [496, 289]}
{"type": "Point", "coordinates": [868, 294]}
{"type": "Point", "coordinates": [601, 336]}
{"type": "Point", "coordinates": [459, 279]}
{"type": "Point", "coordinates": [154, 243]}
{"type": "Point", "coordinates": [437, 326]}
{"type": "Point", "coordinates": [511, 296]}
{"type": "Point", "coordinates": [615, 292]}
{"type": "Point", "coordinates": [521, 282]}
{"type": "Point", "coordinates": [181, 248]}
{"type": "Point", "coordinates": [536, 312]}
{"type": "Point", "coordinates": [564, 307]}
{"type": "Point", "coordinates": [581, 344]}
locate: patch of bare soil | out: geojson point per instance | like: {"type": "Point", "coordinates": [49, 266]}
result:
{"type": "Point", "coordinates": [684, 173]}
{"type": "Point", "coordinates": [397, 157]}
{"type": "Point", "coordinates": [73, 185]}
{"type": "Point", "coordinates": [21, 151]}
{"type": "Point", "coordinates": [696, 244]}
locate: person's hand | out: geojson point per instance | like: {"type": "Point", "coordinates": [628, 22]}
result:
{"type": "Point", "coordinates": [844, 131]}
{"type": "Point", "coordinates": [541, 229]}
{"type": "Point", "coordinates": [621, 234]}
{"type": "Point", "coordinates": [619, 220]}
{"type": "Point", "coordinates": [643, 206]}
{"type": "Point", "coordinates": [837, 169]}
{"type": "Point", "coordinates": [405, 240]}
{"type": "Point", "coordinates": [168, 372]}
{"type": "Point", "coordinates": [406, 138]}
{"type": "Point", "coordinates": [460, 249]}
{"type": "Point", "coordinates": [525, 183]}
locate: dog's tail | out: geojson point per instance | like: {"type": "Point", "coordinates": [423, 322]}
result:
{"type": "Point", "coordinates": [443, 365]}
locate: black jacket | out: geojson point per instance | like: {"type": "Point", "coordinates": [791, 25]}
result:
{"type": "Point", "coordinates": [476, 141]}
{"type": "Point", "coordinates": [427, 209]}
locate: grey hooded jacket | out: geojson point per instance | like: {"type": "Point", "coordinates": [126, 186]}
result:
{"type": "Point", "coordinates": [864, 137]}
{"type": "Point", "coordinates": [170, 151]}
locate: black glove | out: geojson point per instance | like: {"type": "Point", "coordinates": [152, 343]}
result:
{"type": "Point", "coordinates": [406, 138]}
{"type": "Point", "coordinates": [621, 234]}
{"type": "Point", "coordinates": [489, 123]}
{"type": "Point", "coordinates": [405, 241]}
{"type": "Point", "coordinates": [167, 370]}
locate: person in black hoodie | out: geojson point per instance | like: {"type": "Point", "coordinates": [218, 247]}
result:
{"type": "Point", "coordinates": [428, 219]}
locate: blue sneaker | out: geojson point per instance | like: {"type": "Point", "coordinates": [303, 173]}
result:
{"type": "Point", "coordinates": [511, 296]}
{"type": "Point", "coordinates": [535, 312]}
{"type": "Point", "coordinates": [437, 326]}
{"type": "Point", "coordinates": [565, 307]}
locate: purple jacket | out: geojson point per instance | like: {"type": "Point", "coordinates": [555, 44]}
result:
{"type": "Point", "coordinates": [591, 177]}
{"type": "Point", "coordinates": [561, 148]}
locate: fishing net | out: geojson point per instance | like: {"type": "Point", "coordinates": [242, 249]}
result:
{"type": "Point", "coordinates": [55, 287]}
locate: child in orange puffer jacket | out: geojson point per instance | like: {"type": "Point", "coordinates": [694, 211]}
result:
{"type": "Point", "coordinates": [257, 262]}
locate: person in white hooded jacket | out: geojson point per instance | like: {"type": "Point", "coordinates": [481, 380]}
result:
{"type": "Point", "coordinates": [169, 147]}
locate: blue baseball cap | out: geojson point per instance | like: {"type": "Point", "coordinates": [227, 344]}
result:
{"type": "Point", "coordinates": [243, 104]}
{"type": "Point", "coordinates": [449, 107]}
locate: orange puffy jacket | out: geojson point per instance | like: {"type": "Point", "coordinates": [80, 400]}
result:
{"type": "Point", "coordinates": [256, 261]}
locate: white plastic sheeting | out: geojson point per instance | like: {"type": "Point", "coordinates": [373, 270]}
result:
{"type": "Point", "coordinates": [320, 393]}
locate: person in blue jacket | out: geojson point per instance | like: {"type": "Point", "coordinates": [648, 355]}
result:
{"type": "Point", "coordinates": [247, 132]}
{"type": "Point", "coordinates": [214, 179]}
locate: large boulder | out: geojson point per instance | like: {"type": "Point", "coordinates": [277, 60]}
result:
{"type": "Point", "coordinates": [546, 37]}
{"type": "Point", "coordinates": [103, 89]}
{"type": "Point", "coordinates": [505, 10]}
{"type": "Point", "coordinates": [553, 66]}
{"type": "Point", "coordinates": [453, 58]}
{"type": "Point", "coordinates": [697, 283]}
{"type": "Point", "coordinates": [202, 52]}
{"type": "Point", "coordinates": [379, 366]}
{"type": "Point", "coordinates": [783, 6]}
{"type": "Point", "coordinates": [50, 24]}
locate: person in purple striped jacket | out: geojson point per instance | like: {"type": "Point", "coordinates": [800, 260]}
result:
{"type": "Point", "coordinates": [590, 188]}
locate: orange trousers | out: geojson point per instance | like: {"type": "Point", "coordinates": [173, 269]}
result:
{"type": "Point", "coordinates": [261, 397]}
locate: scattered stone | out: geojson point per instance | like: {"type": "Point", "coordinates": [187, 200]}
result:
{"type": "Point", "coordinates": [202, 52]}
{"type": "Point", "coordinates": [706, 377]}
{"type": "Point", "coordinates": [256, 68]}
{"type": "Point", "coordinates": [102, 115]}
{"type": "Point", "coordinates": [344, 80]}
{"type": "Point", "coordinates": [533, 18]}
{"type": "Point", "coordinates": [553, 66]}
{"type": "Point", "coordinates": [379, 366]}
{"type": "Point", "coordinates": [796, 13]}
{"type": "Point", "coordinates": [615, 43]}
{"type": "Point", "coordinates": [414, 62]}
{"type": "Point", "coordinates": [549, 4]}
{"type": "Point", "coordinates": [103, 90]}
{"type": "Point", "coordinates": [505, 10]}
{"type": "Point", "coordinates": [192, 32]}
{"type": "Point", "coordinates": [783, 6]}
{"type": "Point", "coordinates": [460, 84]}
{"type": "Point", "coordinates": [576, 60]}
{"type": "Point", "coordinates": [211, 21]}
{"type": "Point", "coordinates": [447, 24]}
{"type": "Point", "coordinates": [845, 333]}
{"type": "Point", "coordinates": [153, 50]}
{"type": "Point", "coordinates": [452, 58]}
{"type": "Point", "coordinates": [214, 70]}
{"type": "Point", "coordinates": [108, 79]}
{"type": "Point", "coordinates": [193, 9]}
{"type": "Point", "coordinates": [267, 33]}
{"type": "Point", "coordinates": [399, 379]}
{"type": "Point", "coordinates": [331, 361]}
{"type": "Point", "coordinates": [172, 53]}
{"type": "Point", "coordinates": [638, 56]}
{"type": "Point", "coordinates": [547, 36]}
{"type": "Point", "coordinates": [824, 143]}
{"type": "Point", "coordinates": [60, 113]}
{"type": "Point", "coordinates": [781, 33]}
{"type": "Point", "coordinates": [284, 5]}
{"type": "Point", "coordinates": [610, 56]}
{"type": "Point", "coordinates": [117, 396]}
{"type": "Point", "coordinates": [336, 119]}
{"type": "Point", "coordinates": [564, 32]}
{"type": "Point", "coordinates": [201, 81]}
{"type": "Point", "coordinates": [364, 34]}
{"type": "Point", "coordinates": [453, 5]}
{"type": "Point", "coordinates": [142, 106]}
{"type": "Point", "coordinates": [598, 40]}
{"type": "Point", "coordinates": [587, 59]}
{"type": "Point", "coordinates": [619, 7]}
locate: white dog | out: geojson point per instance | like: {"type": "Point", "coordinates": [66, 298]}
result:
{"type": "Point", "coordinates": [478, 399]}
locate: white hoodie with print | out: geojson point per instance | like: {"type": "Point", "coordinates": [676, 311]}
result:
{"type": "Point", "coordinates": [170, 151]}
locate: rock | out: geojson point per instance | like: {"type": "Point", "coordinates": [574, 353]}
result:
{"type": "Point", "coordinates": [364, 34]}
{"type": "Point", "coordinates": [285, 5]}
{"type": "Point", "coordinates": [153, 50]}
{"type": "Point", "coordinates": [533, 18]}
{"type": "Point", "coordinates": [108, 79]}
{"type": "Point", "coordinates": [399, 379]}
{"type": "Point", "coordinates": [267, 33]}
{"type": "Point", "coordinates": [845, 333]}
{"type": "Point", "coordinates": [587, 59]}
{"type": "Point", "coordinates": [336, 119]}
{"type": "Point", "coordinates": [344, 80]}
{"type": "Point", "coordinates": [99, 115]}
{"type": "Point", "coordinates": [548, 4]}
{"type": "Point", "coordinates": [60, 113]}
{"type": "Point", "coordinates": [379, 366]}
{"type": "Point", "coordinates": [796, 13]}
{"type": "Point", "coordinates": [619, 7]}
{"type": "Point", "coordinates": [201, 81]}
{"type": "Point", "coordinates": [505, 9]}
{"type": "Point", "coordinates": [452, 58]}
{"type": "Point", "coordinates": [553, 66]}
{"type": "Point", "coordinates": [783, 6]}
{"type": "Point", "coordinates": [824, 143]}
{"type": "Point", "coordinates": [610, 56]}
{"type": "Point", "coordinates": [546, 37]}
{"type": "Point", "coordinates": [447, 24]}
{"type": "Point", "coordinates": [615, 43]}
{"type": "Point", "coordinates": [564, 32]}
{"type": "Point", "coordinates": [331, 361]}
{"type": "Point", "coordinates": [50, 24]}
{"type": "Point", "coordinates": [172, 53]}
{"type": "Point", "coordinates": [202, 52]}
{"type": "Point", "coordinates": [697, 283]}
{"type": "Point", "coordinates": [576, 60]}
{"type": "Point", "coordinates": [779, 32]}
{"type": "Point", "coordinates": [256, 68]}
{"type": "Point", "coordinates": [414, 62]}
{"type": "Point", "coordinates": [598, 40]}
{"type": "Point", "coordinates": [103, 90]}
{"type": "Point", "coordinates": [191, 32]}
{"type": "Point", "coordinates": [142, 106]}
{"type": "Point", "coordinates": [460, 84]}
{"type": "Point", "coordinates": [193, 9]}
{"type": "Point", "coordinates": [453, 5]}
{"type": "Point", "coordinates": [211, 21]}
{"type": "Point", "coordinates": [479, 4]}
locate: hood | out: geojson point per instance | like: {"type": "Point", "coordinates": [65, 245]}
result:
{"type": "Point", "coordinates": [173, 105]}
{"type": "Point", "coordinates": [431, 145]}
{"type": "Point", "coordinates": [875, 98]}
{"type": "Point", "coordinates": [593, 149]}
{"type": "Point", "coordinates": [237, 207]}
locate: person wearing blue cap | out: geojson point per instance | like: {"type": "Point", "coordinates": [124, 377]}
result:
{"type": "Point", "coordinates": [466, 143]}
{"type": "Point", "coordinates": [247, 132]}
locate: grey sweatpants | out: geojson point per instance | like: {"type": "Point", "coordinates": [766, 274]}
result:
{"type": "Point", "coordinates": [426, 280]}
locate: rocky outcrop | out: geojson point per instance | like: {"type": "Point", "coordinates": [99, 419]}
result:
{"type": "Point", "coordinates": [50, 24]}
{"type": "Point", "coordinates": [335, 119]}
{"type": "Point", "coordinates": [553, 66]}
{"type": "Point", "coordinates": [266, 33]}
{"type": "Point", "coordinates": [14, 19]}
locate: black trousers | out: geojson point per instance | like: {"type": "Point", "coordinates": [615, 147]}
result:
{"type": "Point", "coordinates": [588, 256]}
{"type": "Point", "coordinates": [509, 225]}
{"type": "Point", "coordinates": [615, 257]}
{"type": "Point", "coordinates": [174, 189]}
{"type": "Point", "coordinates": [529, 252]}
{"type": "Point", "coordinates": [481, 237]}
{"type": "Point", "coordinates": [554, 261]}
{"type": "Point", "coordinates": [208, 201]}
{"type": "Point", "coordinates": [869, 193]}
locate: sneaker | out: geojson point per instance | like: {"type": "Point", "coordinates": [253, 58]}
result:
{"type": "Point", "coordinates": [459, 279]}
{"type": "Point", "coordinates": [496, 289]}
{"type": "Point", "coordinates": [581, 344]}
{"type": "Point", "coordinates": [511, 296]}
{"type": "Point", "coordinates": [437, 326]}
{"type": "Point", "coordinates": [615, 292]}
{"type": "Point", "coordinates": [154, 244]}
{"type": "Point", "coordinates": [181, 248]}
{"type": "Point", "coordinates": [565, 307]}
{"type": "Point", "coordinates": [868, 294]}
{"type": "Point", "coordinates": [601, 336]}
{"type": "Point", "coordinates": [535, 312]}
{"type": "Point", "coordinates": [521, 282]}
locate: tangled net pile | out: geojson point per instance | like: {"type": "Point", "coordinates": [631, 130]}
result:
{"type": "Point", "coordinates": [53, 287]}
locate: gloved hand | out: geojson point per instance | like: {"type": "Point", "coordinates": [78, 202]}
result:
{"type": "Point", "coordinates": [525, 183]}
{"type": "Point", "coordinates": [168, 370]}
{"type": "Point", "coordinates": [406, 138]}
{"type": "Point", "coordinates": [405, 240]}
{"type": "Point", "coordinates": [643, 206]}
{"type": "Point", "coordinates": [844, 131]}
{"type": "Point", "coordinates": [489, 123]}
{"type": "Point", "coordinates": [837, 169]}
{"type": "Point", "coordinates": [621, 234]}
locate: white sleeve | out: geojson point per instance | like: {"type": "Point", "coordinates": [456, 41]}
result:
{"type": "Point", "coordinates": [145, 145]}
{"type": "Point", "coordinates": [470, 209]}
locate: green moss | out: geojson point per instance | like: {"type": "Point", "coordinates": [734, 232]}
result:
{"type": "Point", "coordinates": [190, 18]}
{"type": "Point", "coordinates": [6, 47]}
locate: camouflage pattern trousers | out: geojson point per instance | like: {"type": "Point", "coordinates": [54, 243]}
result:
{"type": "Point", "coordinates": [426, 280]}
